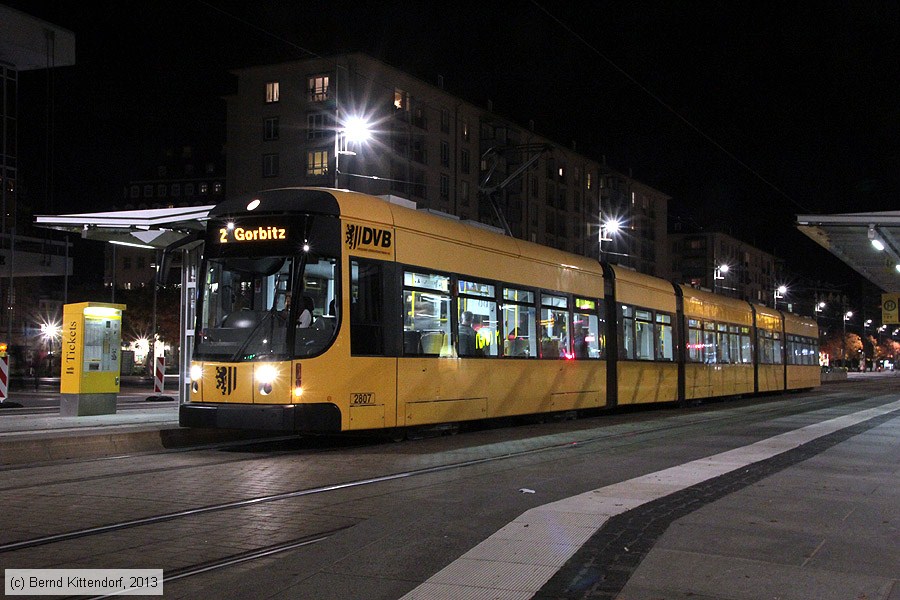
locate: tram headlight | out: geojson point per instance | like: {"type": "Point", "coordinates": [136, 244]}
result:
{"type": "Point", "coordinates": [266, 374]}
{"type": "Point", "coordinates": [196, 373]}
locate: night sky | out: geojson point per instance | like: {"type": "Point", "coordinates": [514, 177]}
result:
{"type": "Point", "coordinates": [745, 113]}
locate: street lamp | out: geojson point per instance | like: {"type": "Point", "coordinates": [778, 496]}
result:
{"type": "Point", "coordinates": [607, 228]}
{"type": "Point", "coordinates": [354, 131]}
{"type": "Point", "coordinates": [50, 332]}
{"type": "Point", "coordinates": [719, 274]}
{"type": "Point", "coordinates": [847, 316]}
{"type": "Point", "coordinates": [780, 291]}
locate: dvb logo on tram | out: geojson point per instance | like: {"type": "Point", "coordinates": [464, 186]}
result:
{"type": "Point", "coordinates": [371, 239]}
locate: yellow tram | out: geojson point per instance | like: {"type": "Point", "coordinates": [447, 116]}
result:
{"type": "Point", "coordinates": [326, 310]}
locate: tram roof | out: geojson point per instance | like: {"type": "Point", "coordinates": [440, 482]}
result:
{"type": "Point", "coordinates": [849, 237]}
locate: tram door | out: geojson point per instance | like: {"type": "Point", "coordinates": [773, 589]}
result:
{"type": "Point", "coordinates": [372, 368]}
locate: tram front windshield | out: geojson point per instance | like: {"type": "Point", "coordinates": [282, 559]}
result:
{"type": "Point", "coordinates": [266, 307]}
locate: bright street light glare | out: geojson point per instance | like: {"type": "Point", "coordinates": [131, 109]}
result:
{"type": "Point", "coordinates": [357, 130]}
{"type": "Point", "coordinates": [613, 226]}
{"type": "Point", "coordinates": [723, 268]}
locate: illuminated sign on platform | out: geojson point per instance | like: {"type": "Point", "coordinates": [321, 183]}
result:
{"type": "Point", "coordinates": [890, 315]}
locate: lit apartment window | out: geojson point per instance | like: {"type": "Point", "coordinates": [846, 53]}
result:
{"type": "Point", "coordinates": [271, 92]}
{"type": "Point", "coordinates": [465, 129]}
{"type": "Point", "coordinates": [204, 189]}
{"type": "Point", "coordinates": [217, 188]}
{"type": "Point", "coordinates": [318, 88]}
{"type": "Point", "coordinates": [588, 180]}
{"type": "Point", "coordinates": [317, 163]}
{"type": "Point", "coordinates": [401, 100]}
{"type": "Point", "coordinates": [270, 165]}
{"type": "Point", "coordinates": [270, 129]}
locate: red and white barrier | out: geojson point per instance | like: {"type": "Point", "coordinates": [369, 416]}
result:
{"type": "Point", "coordinates": [159, 376]}
{"type": "Point", "coordinates": [4, 378]}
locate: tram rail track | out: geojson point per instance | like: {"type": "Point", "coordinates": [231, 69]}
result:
{"type": "Point", "coordinates": [623, 437]}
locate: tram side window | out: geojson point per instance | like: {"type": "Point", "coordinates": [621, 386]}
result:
{"type": "Point", "coordinates": [426, 314]}
{"type": "Point", "coordinates": [665, 347]}
{"type": "Point", "coordinates": [709, 342]}
{"type": "Point", "coordinates": [519, 324]}
{"type": "Point", "coordinates": [795, 350]}
{"type": "Point", "coordinates": [746, 346]}
{"type": "Point", "coordinates": [769, 347]}
{"type": "Point", "coordinates": [776, 348]}
{"type": "Point", "coordinates": [477, 304]}
{"type": "Point", "coordinates": [810, 351]}
{"type": "Point", "coordinates": [734, 343]}
{"type": "Point", "coordinates": [626, 337]}
{"type": "Point", "coordinates": [643, 334]}
{"type": "Point", "coordinates": [554, 326]}
{"type": "Point", "coordinates": [695, 341]}
{"type": "Point", "coordinates": [367, 309]}
{"type": "Point", "coordinates": [319, 290]}
{"type": "Point", "coordinates": [723, 348]}
{"type": "Point", "coordinates": [638, 333]}
{"type": "Point", "coordinates": [588, 341]}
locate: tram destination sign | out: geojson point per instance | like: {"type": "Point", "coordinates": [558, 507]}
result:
{"type": "Point", "coordinates": [261, 233]}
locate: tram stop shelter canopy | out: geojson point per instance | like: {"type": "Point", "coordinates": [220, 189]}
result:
{"type": "Point", "coordinates": [146, 228]}
{"type": "Point", "coordinates": [156, 229]}
{"type": "Point", "coordinates": [868, 242]}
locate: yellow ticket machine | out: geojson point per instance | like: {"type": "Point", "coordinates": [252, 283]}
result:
{"type": "Point", "coordinates": [91, 358]}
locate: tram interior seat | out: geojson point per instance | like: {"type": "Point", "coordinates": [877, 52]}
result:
{"type": "Point", "coordinates": [432, 342]}
{"type": "Point", "coordinates": [550, 349]}
{"type": "Point", "coordinates": [516, 347]}
{"type": "Point", "coordinates": [412, 342]}
{"type": "Point", "coordinates": [324, 323]}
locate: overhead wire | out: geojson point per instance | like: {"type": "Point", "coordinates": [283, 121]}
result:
{"type": "Point", "coordinates": [668, 107]}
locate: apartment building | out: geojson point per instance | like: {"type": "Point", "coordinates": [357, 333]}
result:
{"type": "Point", "coordinates": [288, 125]}
{"type": "Point", "coordinates": [718, 262]}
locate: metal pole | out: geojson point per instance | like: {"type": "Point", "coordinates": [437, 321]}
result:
{"type": "Point", "coordinates": [153, 336]}
{"type": "Point", "coordinates": [337, 128]}
{"type": "Point", "coordinates": [113, 277]}
{"type": "Point", "coordinates": [844, 340]}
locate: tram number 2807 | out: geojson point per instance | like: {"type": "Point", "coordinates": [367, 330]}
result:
{"type": "Point", "coordinates": [359, 398]}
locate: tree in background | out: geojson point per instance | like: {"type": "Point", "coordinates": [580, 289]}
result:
{"type": "Point", "coordinates": [842, 347]}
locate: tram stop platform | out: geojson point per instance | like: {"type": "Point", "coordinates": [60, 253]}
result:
{"type": "Point", "coordinates": [33, 431]}
{"type": "Point", "coordinates": [824, 526]}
